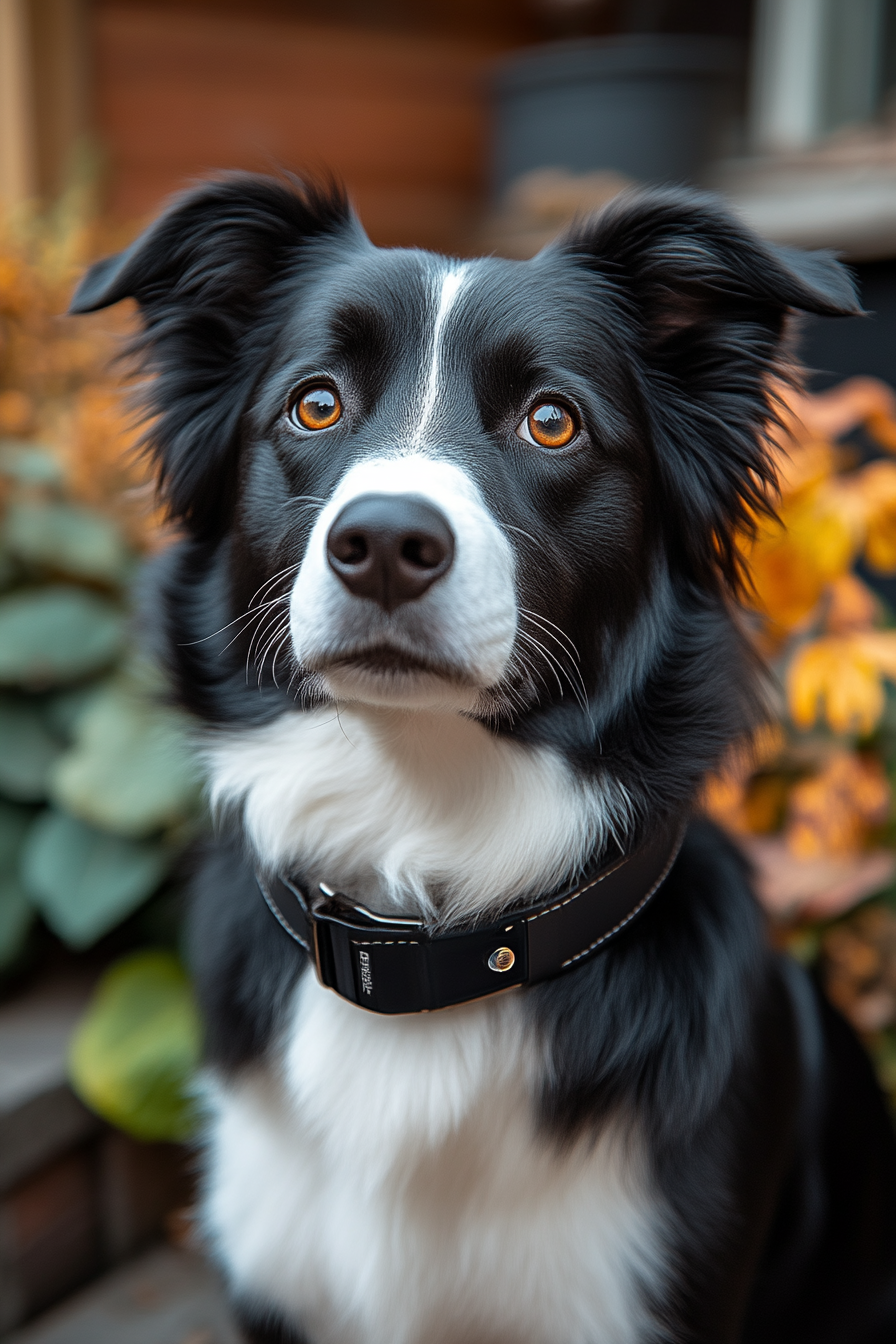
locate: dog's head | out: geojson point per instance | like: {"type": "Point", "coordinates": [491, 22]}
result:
{"type": "Point", "coordinates": [459, 483]}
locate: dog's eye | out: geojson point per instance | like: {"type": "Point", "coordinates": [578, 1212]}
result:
{"type": "Point", "coordinates": [317, 408]}
{"type": "Point", "coordinates": [549, 425]}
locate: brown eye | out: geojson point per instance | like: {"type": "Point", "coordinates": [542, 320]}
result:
{"type": "Point", "coordinates": [549, 425]}
{"type": "Point", "coordinates": [317, 408]}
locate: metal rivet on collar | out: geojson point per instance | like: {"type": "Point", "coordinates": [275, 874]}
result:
{"type": "Point", "coordinates": [501, 959]}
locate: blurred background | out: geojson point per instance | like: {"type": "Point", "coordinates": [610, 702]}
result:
{"type": "Point", "coordinates": [461, 125]}
{"type": "Point", "coordinates": [438, 115]}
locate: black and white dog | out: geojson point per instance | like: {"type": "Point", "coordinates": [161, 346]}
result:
{"type": "Point", "coordinates": [456, 602]}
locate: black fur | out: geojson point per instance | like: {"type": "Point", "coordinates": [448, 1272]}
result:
{"type": "Point", "coordinates": [244, 964]}
{"type": "Point", "coordinates": [662, 320]}
{"type": "Point", "coordinates": [265, 1330]}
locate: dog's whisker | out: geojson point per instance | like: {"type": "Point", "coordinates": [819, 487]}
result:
{"type": "Point", "coordinates": [281, 631]}
{"type": "Point", "coordinates": [273, 613]}
{"type": "Point", "coordinates": [549, 628]}
{"type": "Point", "coordinates": [557, 668]}
{"type": "Point", "coordinates": [512, 699]}
{"type": "Point", "coordinates": [571, 672]}
{"type": "Point", "coordinates": [533, 673]}
{"type": "Point", "coordinates": [259, 634]}
{"type": "Point", "coordinates": [260, 614]}
{"type": "Point", "coordinates": [276, 655]}
{"type": "Point", "coordinates": [529, 537]}
{"type": "Point", "coordinates": [282, 573]}
{"type": "Point", "coordinates": [259, 666]}
{"type": "Point", "coordinates": [297, 671]}
{"type": "Point", "coordinates": [342, 727]}
{"type": "Point", "coordinates": [271, 624]}
{"type": "Point", "coordinates": [244, 616]}
{"type": "Point", "coordinates": [574, 673]}
{"type": "Point", "coordinates": [253, 610]}
{"type": "Point", "coordinates": [275, 630]}
{"type": "Point", "coordinates": [304, 499]}
{"type": "Point", "coordinates": [256, 603]}
{"type": "Point", "coordinates": [519, 665]}
{"type": "Point", "coordinates": [236, 636]}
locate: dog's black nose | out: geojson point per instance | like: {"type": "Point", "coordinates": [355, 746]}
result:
{"type": "Point", "coordinates": [390, 548]}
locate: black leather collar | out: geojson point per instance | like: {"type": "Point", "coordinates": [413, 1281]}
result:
{"type": "Point", "coordinates": [390, 965]}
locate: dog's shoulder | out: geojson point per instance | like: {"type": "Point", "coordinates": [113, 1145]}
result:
{"type": "Point", "coordinates": [660, 1020]}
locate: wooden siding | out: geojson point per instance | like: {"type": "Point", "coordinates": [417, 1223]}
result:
{"type": "Point", "coordinates": [402, 119]}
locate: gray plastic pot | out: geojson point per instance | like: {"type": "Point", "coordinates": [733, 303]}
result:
{"type": "Point", "coordinates": [648, 106]}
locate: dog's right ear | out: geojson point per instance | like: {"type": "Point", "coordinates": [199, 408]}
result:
{"type": "Point", "coordinates": [203, 277]}
{"type": "Point", "coordinates": [704, 306]}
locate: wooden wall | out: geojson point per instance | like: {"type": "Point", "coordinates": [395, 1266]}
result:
{"type": "Point", "coordinates": [43, 94]}
{"type": "Point", "coordinates": [388, 94]}
{"type": "Point", "coordinates": [401, 117]}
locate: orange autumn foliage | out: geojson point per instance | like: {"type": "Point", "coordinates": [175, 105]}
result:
{"type": "Point", "coordinates": [836, 810]}
{"type": "Point", "coordinates": [822, 628]}
{"type": "Point", "coordinates": [59, 388]}
{"type": "Point", "coordinates": [840, 678]}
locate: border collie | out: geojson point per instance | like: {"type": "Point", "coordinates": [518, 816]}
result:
{"type": "Point", "coordinates": [456, 603]}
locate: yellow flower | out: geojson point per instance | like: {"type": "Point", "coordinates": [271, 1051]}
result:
{"type": "Point", "coordinates": [829, 676]}
{"type": "Point", "coordinates": [840, 676]}
{"type": "Point", "coordinates": [877, 485]}
{"type": "Point", "coordinates": [793, 560]}
{"type": "Point", "coordinates": [879, 647]}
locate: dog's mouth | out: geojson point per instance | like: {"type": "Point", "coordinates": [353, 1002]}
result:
{"type": "Point", "coordinates": [389, 663]}
{"type": "Point", "coordinates": [381, 674]}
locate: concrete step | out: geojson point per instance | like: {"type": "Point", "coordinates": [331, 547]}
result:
{"type": "Point", "coordinates": [76, 1197]}
{"type": "Point", "coordinates": [166, 1296]}
{"type": "Point", "coordinates": [40, 1117]}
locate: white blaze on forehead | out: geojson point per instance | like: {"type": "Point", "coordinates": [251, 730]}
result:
{"type": "Point", "coordinates": [448, 287]}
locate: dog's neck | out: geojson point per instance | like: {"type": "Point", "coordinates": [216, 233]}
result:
{"type": "Point", "coordinates": [411, 812]}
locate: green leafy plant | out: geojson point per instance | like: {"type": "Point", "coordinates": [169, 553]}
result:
{"type": "Point", "coordinates": [96, 778]}
{"type": "Point", "coordinates": [136, 1049]}
{"type": "Point", "coordinates": [98, 786]}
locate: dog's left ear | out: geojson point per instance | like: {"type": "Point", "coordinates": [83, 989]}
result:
{"type": "Point", "coordinates": [205, 278]}
{"type": "Point", "coordinates": [706, 304]}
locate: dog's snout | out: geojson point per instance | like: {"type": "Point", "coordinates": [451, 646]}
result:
{"type": "Point", "coordinates": [390, 548]}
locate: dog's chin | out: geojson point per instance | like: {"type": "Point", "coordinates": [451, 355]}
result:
{"type": "Point", "coordinates": [390, 678]}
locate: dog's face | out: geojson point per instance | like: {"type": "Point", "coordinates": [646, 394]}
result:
{"type": "Point", "coordinates": [457, 484]}
{"type": "Point", "coordinates": [446, 452]}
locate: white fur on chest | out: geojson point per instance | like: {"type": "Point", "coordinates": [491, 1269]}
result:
{"type": "Point", "coordinates": [414, 811]}
{"type": "Point", "coordinates": [388, 1186]}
